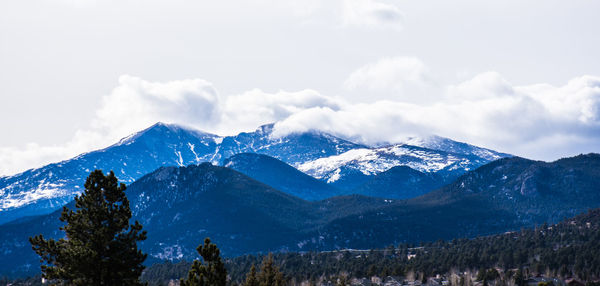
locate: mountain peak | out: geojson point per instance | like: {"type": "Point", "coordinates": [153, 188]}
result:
{"type": "Point", "coordinates": [159, 129]}
{"type": "Point", "coordinates": [44, 189]}
{"type": "Point", "coordinates": [266, 128]}
{"type": "Point", "coordinates": [162, 126]}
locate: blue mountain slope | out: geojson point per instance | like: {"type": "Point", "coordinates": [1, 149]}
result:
{"type": "Point", "coordinates": [179, 206]}
{"type": "Point", "coordinates": [504, 195]}
{"type": "Point", "coordinates": [342, 164]}
{"type": "Point", "coordinates": [280, 176]}
{"type": "Point", "coordinates": [42, 190]}
{"type": "Point", "coordinates": [400, 182]}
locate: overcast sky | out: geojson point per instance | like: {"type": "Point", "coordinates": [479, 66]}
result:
{"type": "Point", "coordinates": [517, 76]}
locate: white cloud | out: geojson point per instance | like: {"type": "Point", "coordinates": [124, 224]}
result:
{"type": "Point", "coordinates": [407, 77]}
{"type": "Point", "coordinates": [371, 13]}
{"type": "Point", "coordinates": [484, 85]}
{"type": "Point", "coordinates": [324, 41]}
{"type": "Point", "coordinates": [136, 104]}
{"type": "Point", "coordinates": [539, 121]}
{"type": "Point", "coordinates": [13, 160]}
{"type": "Point", "coordinates": [248, 110]}
{"type": "Point", "coordinates": [365, 122]}
{"type": "Point", "coordinates": [133, 105]}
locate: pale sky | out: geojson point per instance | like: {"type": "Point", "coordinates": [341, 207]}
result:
{"type": "Point", "coordinates": [517, 76]}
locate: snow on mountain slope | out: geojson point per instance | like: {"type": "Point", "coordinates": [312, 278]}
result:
{"type": "Point", "coordinates": [373, 161]}
{"type": "Point", "coordinates": [294, 149]}
{"type": "Point", "coordinates": [451, 146]}
{"type": "Point", "coordinates": [321, 155]}
{"type": "Point", "coordinates": [42, 190]}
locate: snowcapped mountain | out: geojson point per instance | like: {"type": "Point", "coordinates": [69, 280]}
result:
{"type": "Point", "coordinates": [354, 167]}
{"type": "Point", "coordinates": [293, 149]}
{"type": "Point", "coordinates": [318, 154]}
{"type": "Point", "coordinates": [178, 206]}
{"type": "Point", "coordinates": [42, 190]}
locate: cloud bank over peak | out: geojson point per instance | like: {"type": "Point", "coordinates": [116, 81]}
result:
{"type": "Point", "coordinates": [250, 109]}
{"type": "Point", "coordinates": [539, 121]}
{"type": "Point", "coordinates": [136, 104]}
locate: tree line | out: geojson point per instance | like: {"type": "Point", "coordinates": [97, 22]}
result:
{"type": "Point", "coordinates": [570, 249]}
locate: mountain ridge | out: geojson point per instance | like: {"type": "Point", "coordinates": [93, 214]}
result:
{"type": "Point", "coordinates": [280, 176]}
{"type": "Point", "coordinates": [477, 204]}
{"type": "Point", "coordinates": [42, 190]}
{"type": "Point", "coordinates": [180, 205]}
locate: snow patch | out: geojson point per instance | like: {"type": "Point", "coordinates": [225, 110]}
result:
{"type": "Point", "coordinates": [375, 161]}
{"type": "Point", "coordinates": [335, 176]}
{"type": "Point", "coordinates": [43, 191]}
{"type": "Point", "coordinates": [179, 158]}
{"type": "Point", "coordinates": [194, 152]}
{"type": "Point", "coordinates": [171, 252]}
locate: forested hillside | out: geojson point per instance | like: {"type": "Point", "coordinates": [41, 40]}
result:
{"type": "Point", "coordinates": [567, 249]}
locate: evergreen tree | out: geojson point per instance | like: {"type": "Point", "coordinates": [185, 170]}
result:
{"type": "Point", "coordinates": [269, 273]}
{"type": "Point", "coordinates": [210, 273]}
{"type": "Point", "coordinates": [251, 278]}
{"type": "Point", "coordinates": [100, 247]}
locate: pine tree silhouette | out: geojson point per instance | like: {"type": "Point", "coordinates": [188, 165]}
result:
{"type": "Point", "coordinates": [100, 247]}
{"type": "Point", "coordinates": [210, 273]}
